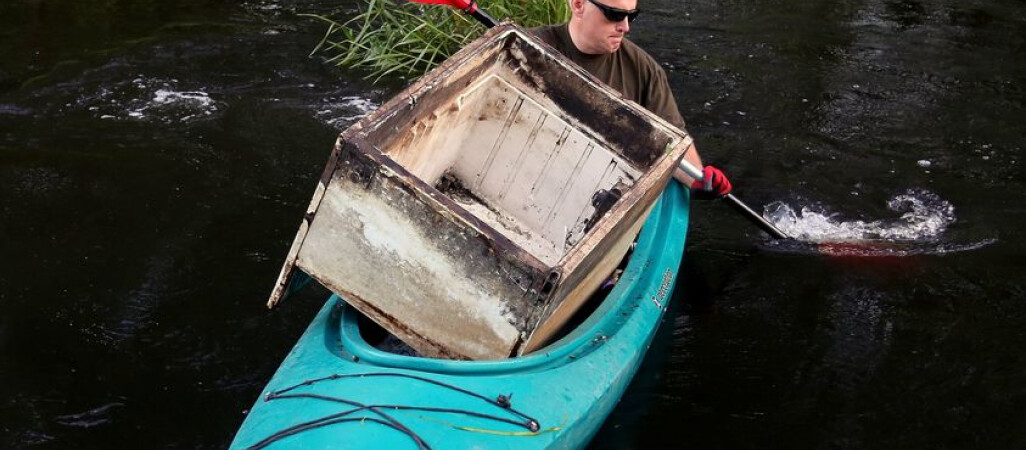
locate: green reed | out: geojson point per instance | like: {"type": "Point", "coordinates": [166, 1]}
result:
{"type": "Point", "coordinates": [406, 39]}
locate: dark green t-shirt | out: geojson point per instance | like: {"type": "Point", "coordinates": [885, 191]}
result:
{"type": "Point", "coordinates": [629, 70]}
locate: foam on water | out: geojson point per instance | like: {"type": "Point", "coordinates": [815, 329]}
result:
{"type": "Point", "coordinates": [151, 100]}
{"type": "Point", "coordinates": [341, 112]}
{"type": "Point", "coordinates": [922, 218]}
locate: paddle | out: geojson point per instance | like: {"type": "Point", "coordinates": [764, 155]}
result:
{"type": "Point", "coordinates": [470, 7]}
{"type": "Point", "coordinates": [467, 6]}
{"type": "Point", "coordinates": [740, 206]}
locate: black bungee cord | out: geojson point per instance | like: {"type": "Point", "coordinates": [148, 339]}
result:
{"type": "Point", "coordinates": [501, 402]}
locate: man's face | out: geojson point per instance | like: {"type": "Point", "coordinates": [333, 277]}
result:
{"type": "Point", "coordinates": [598, 34]}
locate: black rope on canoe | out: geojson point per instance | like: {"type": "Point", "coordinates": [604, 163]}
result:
{"type": "Point", "coordinates": [332, 419]}
{"type": "Point", "coordinates": [296, 429]}
{"type": "Point", "coordinates": [406, 408]}
{"type": "Point", "coordinates": [502, 402]}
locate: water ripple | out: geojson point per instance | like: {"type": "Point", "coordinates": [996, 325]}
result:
{"type": "Point", "coordinates": [91, 418]}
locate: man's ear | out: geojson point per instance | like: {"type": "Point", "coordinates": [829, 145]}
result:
{"type": "Point", "coordinates": [577, 6]}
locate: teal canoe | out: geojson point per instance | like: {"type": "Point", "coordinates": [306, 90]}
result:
{"type": "Point", "coordinates": [334, 390]}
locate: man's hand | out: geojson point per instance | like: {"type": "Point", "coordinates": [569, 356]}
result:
{"type": "Point", "coordinates": [714, 184]}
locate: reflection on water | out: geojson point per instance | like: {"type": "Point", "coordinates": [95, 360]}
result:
{"type": "Point", "coordinates": [882, 248]}
{"type": "Point", "coordinates": [856, 334]}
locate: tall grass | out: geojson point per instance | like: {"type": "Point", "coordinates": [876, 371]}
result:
{"type": "Point", "coordinates": [405, 39]}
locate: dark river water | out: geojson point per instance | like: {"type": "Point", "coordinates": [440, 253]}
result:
{"type": "Point", "coordinates": [156, 159]}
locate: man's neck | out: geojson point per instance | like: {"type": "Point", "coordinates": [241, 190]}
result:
{"type": "Point", "coordinates": [573, 27]}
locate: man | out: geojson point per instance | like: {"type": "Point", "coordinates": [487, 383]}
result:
{"type": "Point", "coordinates": [594, 38]}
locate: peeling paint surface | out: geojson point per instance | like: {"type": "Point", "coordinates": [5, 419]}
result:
{"type": "Point", "coordinates": [386, 255]}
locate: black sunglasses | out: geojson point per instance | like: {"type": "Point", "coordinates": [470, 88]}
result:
{"type": "Point", "coordinates": [616, 14]}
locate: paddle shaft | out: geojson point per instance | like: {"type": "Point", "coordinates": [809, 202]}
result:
{"type": "Point", "coordinates": [482, 16]}
{"type": "Point", "coordinates": [740, 206]}
{"type": "Point", "coordinates": [469, 7]}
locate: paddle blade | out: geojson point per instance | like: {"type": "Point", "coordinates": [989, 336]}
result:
{"type": "Point", "coordinates": [458, 4]}
{"type": "Point", "coordinates": [467, 6]}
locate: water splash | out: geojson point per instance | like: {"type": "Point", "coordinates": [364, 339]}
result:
{"type": "Point", "coordinates": [345, 111]}
{"type": "Point", "coordinates": [151, 100]}
{"type": "Point", "coordinates": [923, 216]}
{"type": "Point", "coordinates": [193, 104]}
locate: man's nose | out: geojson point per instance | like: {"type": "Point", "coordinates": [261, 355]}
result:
{"type": "Point", "coordinates": [623, 26]}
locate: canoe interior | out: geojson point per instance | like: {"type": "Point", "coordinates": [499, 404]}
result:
{"type": "Point", "coordinates": [475, 211]}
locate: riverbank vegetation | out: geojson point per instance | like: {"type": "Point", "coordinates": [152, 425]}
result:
{"type": "Point", "coordinates": [405, 39]}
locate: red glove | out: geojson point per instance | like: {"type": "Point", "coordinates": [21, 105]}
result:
{"type": "Point", "coordinates": [714, 184]}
